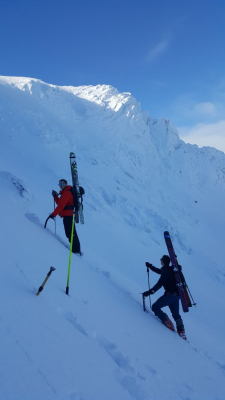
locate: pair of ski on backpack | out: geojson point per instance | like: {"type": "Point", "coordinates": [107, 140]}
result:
{"type": "Point", "coordinates": [77, 191]}
{"type": "Point", "coordinates": [179, 278]}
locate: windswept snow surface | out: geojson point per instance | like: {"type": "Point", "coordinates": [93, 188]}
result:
{"type": "Point", "coordinates": [140, 180]}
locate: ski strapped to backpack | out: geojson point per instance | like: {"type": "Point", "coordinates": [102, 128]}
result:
{"type": "Point", "coordinates": [187, 292]}
{"type": "Point", "coordinates": [176, 271]}
{"type": "Point", "coordinates": [77, 191]}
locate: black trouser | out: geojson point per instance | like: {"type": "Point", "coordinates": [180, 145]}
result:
{"type": "Point", "coordinates": [172, 301]}
{"type": "Point", "coordinates": [67, 222]}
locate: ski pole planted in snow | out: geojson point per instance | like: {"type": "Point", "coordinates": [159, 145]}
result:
{"type": "Point", "coordinates": [149, 289]}
{"type": "Point", "coordinates": [71, 246]}
{"type": "Point", "coordinates": [43, 284]}
{"type": "Point", "coordinates": [194, 304]}
{"type": "Point", "coordinates": [55, 219]}
{"type": "Point", "coordinates": [143, 300]}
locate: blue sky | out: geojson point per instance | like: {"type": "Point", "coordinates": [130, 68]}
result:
{"type": "Point", "coordinates": [170, 54]}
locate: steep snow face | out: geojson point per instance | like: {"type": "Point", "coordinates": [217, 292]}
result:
{"type": "Point", "coordinates": [122, 153]}
{"type": "Point", "coordinates": [140, 180]}
{"type": "Point", "coordinates": [165, 136]}
{"type": "Point", "coordinates": [135, 169]}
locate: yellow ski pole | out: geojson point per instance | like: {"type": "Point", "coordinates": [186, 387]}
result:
{"type": "Point", "coordinates": [71, 246]}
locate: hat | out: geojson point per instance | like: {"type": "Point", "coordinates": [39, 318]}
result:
{"type": "Point", "coordinates": [166, 260]}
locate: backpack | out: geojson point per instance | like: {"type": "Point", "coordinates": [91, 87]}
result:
{"type": "Point", "coordinates": [77, 200]}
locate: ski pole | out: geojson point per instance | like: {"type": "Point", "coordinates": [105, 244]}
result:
{"type": "Point", "coordinates": [71, 246]}
{"type": "Point", "coordinates": [55, 219]}
{"type": "Point", "coordinates": [194, 304]}
{"type": "Point", "coordinates": [43, 284]}
{"type": "Point", "coordinates": [149, 289]}
{"type": "Point", "coordinates": [143, 301]}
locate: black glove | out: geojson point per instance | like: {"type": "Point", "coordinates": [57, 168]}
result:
{"type": "Point", "coordinates": [51, 216]}
{"type": "Point", "coordinates": [54, 193]}
{"type": "Point", "coordinates": [148, 265]}
{"type": "Point", "coordinates": [146, 294]}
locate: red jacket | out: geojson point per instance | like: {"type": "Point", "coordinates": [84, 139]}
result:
{"type": "Point", "coordinates": [66, 200]}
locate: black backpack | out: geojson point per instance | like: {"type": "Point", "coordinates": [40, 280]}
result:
{"type": "Point", "coordinates": [77, 199]}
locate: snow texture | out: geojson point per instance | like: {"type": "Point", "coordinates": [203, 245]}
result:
{"type": "Point", "coordinates": [140, 179]}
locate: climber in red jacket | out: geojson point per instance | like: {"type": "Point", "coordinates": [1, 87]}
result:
{"type": "Point", "coordinates": [65, 209]}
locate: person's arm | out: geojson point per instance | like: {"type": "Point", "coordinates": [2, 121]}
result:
{"type": "Point", "coordinates": [160, 282]}
{"type": "Point", "coordinates": [56, 198]}
{"type": "Point", "coordinates": [154, 269]}
{"type": "Point", "coordinates": [62, 202]}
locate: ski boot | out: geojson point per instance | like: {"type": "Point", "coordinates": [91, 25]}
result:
{"type": "Point", "coordinates": [182, 334]}
{"type": "Point", "coordinates": [169, 324]}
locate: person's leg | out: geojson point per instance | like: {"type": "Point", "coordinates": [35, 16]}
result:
{"type": "Point", "coordinates": [174, 308]}
{"type": "Point", "coordinates": [76, 241]}
{"type": "Point", "coordinates": [156, 308]}
{"type": "Point", "coordinates": [67, 221]}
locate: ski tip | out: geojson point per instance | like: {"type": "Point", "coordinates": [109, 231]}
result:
{"type": "Point", "coordinates": [72, 155]}
{"type": "Point", "coordinates": [166, 233]}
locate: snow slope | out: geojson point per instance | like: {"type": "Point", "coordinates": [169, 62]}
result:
{"type": "Point", "coordinates": [140, 180]}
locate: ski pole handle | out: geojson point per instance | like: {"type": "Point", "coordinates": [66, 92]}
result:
{"type": "Point", "coordinates": [50, 216]}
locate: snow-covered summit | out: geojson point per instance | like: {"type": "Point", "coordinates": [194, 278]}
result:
{"type": "Point", "coordinates": [104, 95]}
{"type": "Point", "coordinates": [140, 180]}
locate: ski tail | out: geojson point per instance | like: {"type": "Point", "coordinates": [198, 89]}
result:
{"type": "Point", "coordinates": [189, 303]}
{"type": "Point", "coordinates": [176, 271]}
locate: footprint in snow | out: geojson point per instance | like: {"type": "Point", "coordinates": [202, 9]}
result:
{"type": "Point", "coordinates": [117, 356]}
{"type": "Point", "coordinates": [152, 370]}
{"type": "Point", "coordinates": [128, 382]}
{"type": "Point", "coordinates": [75, 396]}
{"type": "Point", "coordinates": [74, 321]}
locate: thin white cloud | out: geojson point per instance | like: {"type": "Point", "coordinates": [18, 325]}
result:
{"type": "Point", "coordinates": [212, 135]}
{"type": "Point", "coordinates": [192, 112]}
{"type": "Point", "coordinates": [158, 50]}
{"type": "Point", "coordinates": [206, 109]}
